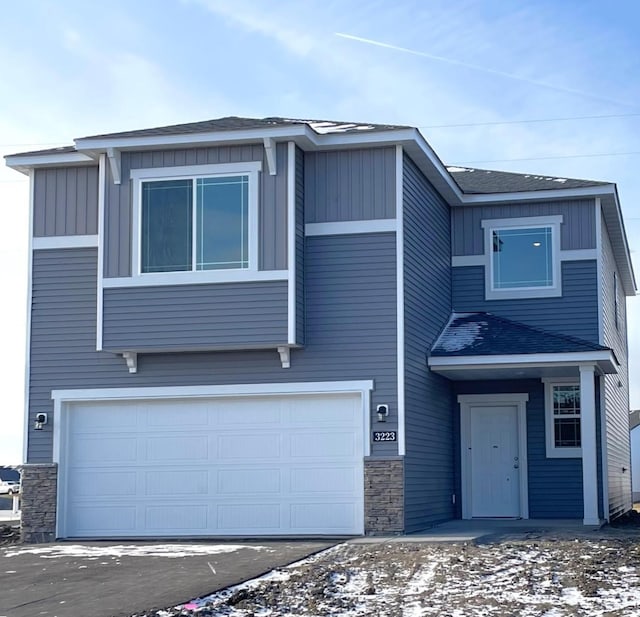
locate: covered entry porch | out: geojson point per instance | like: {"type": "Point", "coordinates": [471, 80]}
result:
{"type": "Point", "coordinates": [531, 441]}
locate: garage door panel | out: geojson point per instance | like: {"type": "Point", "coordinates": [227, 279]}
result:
{"type": "Point", "coordinates": [334, 444]}
{"type": "Point", "coordinates": [244, 466]}
{"type": "Point", "coordinates": [316, 479]}
{"type": "Point", "coordinates": [176, 518]}
{"type": "Point", "coordinates": [186, 448]}
{"type": "Point", "coordinates": [248, 481]}
{"type": "Point", "coordinates": [260, 517]}
{"type": "Point", "coordinates": [168, 483]}
{"type": "Point", "coordinates": [104, 450]}
{"type": "Point", "coordinates": [249, 446]}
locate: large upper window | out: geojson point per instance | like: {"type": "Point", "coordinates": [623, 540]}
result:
{"type": "Point", "coordinates": [523, 258]}
{"type": "Point", "coordinates": [195, 219]}
{"type": "Point", "coordinates": [563, 419]}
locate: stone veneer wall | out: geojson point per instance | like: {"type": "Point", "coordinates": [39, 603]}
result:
{"type": "Point", "coordinates": [39, 488]}
{"type": "Point", "coordinates": [384, 496]}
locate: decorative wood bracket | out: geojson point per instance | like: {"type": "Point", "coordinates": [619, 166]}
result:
{"type": "Point", "coordinates": [114, 162]}
{"type": "Point", "coordinates": [270, 149]}
{"type": "Point", "coordinates": [131, 358]}
{"type": "Point", "coordinates": [285, 356]}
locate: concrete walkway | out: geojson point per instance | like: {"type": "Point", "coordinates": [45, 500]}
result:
{"type": "Point", "coordinates": [478, 530]}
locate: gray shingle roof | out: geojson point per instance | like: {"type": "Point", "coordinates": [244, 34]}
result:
{"type": "Point", "coordinates": [482, 181]}
{"type": "Point", "coordinates": [234, 123]}
{"type": "Point", "coordinates": [484, 334]}
{"type": "Point", "coordinates": [60, 150]}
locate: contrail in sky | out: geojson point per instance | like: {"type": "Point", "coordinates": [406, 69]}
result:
{"type": "Point", "coordinates": [476, 67]}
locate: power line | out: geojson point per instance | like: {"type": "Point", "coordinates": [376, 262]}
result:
{"type": "Point", "coordinates": [548, 158]}
{"type": "Point", "coordinates": [528, 121]}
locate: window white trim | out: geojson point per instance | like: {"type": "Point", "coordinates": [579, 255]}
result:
{"type": "Point", "coordinates": [467, 402]}
{"type": "Point", "coordinates": [64, 242]}
{"type": "Point", "coordinates": [337, 228]}
{"type": "Point", "coordinates": [138, 176]}
{"type": "Point", "coordinates": [491, 225]}
{"type": "Point", "coordinates": [155, 279]}
{"type": "Point", "coordinates": [552, 450]}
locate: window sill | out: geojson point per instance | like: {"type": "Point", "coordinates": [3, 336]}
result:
{"type": "Point", "coordinates": [564, 452]}
{"type": "Point", "coordinates": [196, 278]}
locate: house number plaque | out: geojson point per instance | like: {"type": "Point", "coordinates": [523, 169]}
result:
{"type": "Point", "coordinates": [384, 436]}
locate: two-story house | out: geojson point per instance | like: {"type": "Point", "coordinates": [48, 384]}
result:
{"type": "Point", "coordinates": [290, 327]}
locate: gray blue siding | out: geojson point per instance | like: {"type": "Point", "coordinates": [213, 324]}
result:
{"type": "Point", "coordinates": [616, 396]}
{"type": "Point", "coordinates": [578, 230]}
{"type": "Point", "coordinates": [65, 202]}
{"type": "Point", "coordinates": [272, 230]}
{"type": "Point", "coordinates": [195, 317]}
{"type": "Point", "coordinates": [350, 185]}
{"type": "Point", "coordinates": [429, 417]}
{"type": "Point", "coordinates": [350, 332]}
{"type": "Point", "coordinates": [574, 313]}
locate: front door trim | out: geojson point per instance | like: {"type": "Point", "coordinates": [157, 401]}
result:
{"type": "Point", "coordinates": [467, 401]}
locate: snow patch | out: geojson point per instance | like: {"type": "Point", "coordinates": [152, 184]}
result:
{"type": "Point", "coordinates": [171, 551]}
{"type": "Point", "coordinates": [454, 169]}
{"type": "Point", "coordinates": [462, 336]}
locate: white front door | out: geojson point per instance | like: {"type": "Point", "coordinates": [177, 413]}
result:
{"type": "Point", "coordinates": [495, 461]}
{"type": "Point", "coordinates": [493, 440]}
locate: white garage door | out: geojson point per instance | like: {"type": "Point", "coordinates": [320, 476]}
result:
{"type": "Point", "coordinates": [268, 465]}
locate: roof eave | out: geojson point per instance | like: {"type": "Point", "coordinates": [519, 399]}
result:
{"type": "Point", "coordinates": [25, 162]}
{"type": "Point", "coordinates": [604, 359]}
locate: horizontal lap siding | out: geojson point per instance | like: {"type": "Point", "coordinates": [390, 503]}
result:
{"type": "Point", "coordinates": [574, 313]}
{"type": "Point", "coordinates": [65, 202]}
{"type": "Point", "coordinates": [555, 484]}
{"type": "Point", "coordinates": [272, 196]}
{"type": "Point", "coordinates": [195, 316]}
{"type": "Point", "coordinates": [350, 185]}
{"type": "Point", "coordinates": [429, 459]}
{"type": "Point", "coordinates": [578, 230]}
{"type": "Point", "coordinates": [616, 397]}
{"type": "Point", "coordinates": [350, 333]}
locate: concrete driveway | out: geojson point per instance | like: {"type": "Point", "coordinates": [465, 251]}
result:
{"type": "Point", "coordinates": [117, 579]}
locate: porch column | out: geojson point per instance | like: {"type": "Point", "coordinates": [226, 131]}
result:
{"type": "Point", "coordinates": [588, 438]}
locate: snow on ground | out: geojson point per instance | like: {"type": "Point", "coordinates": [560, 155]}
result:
{"type": "Point", "coordinates": [533, 578]}
{"type": "Point", "coordinates": [132, 550]}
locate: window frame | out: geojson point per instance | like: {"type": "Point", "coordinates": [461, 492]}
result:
{"type": "Point", "coordinates": [251, 169]}
{"type": "Point", "coordinates": [552, 450]}
{"type": "Point", "coordinates": [529, 222]}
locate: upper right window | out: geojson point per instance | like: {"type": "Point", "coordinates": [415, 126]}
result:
{"type": "Point", "coordinates": [522, 257]}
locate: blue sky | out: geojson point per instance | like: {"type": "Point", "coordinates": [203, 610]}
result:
{"type": "Point", "coordinates": [73, 68]}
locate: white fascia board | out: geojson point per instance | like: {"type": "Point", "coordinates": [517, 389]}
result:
{"type": "Point", "coordinates": [628, 275]}
{"type": "Point", "coordinates": [23, 163]}
{"type": "Point", "coordinates": [530, 360]}
{"type": "Point", "coordinates": [494, 198]}
{"type": "Point", "coordinates": [110, 394]}
{"type": "Point", "coordinates": [146, 142]}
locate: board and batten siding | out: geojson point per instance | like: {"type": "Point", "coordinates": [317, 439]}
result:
{"type": "Point", "coordinates": [429, 425]}
{"type": "Point", "coordinates": [574, 313]}
{"type": "Point", "coordinates": [350, 333]}
{"type": "Point", "coordinates": [350, 185]}
{"type": "Point", "coordinates": [65, 202]}
{"type": "Point", "coordinates": [578, 229]}
{"type": "Point", "coordinates": [616, 396]}
{"type": "Point", "coordinates": [195, 317]}
{"type": "Point", "coordinates": [272, 225]}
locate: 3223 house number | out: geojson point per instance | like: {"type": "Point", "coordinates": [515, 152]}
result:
{"type": "Point", "coordinates": [384, 435]}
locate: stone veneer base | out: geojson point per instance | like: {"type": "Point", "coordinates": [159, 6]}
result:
{"type": "Point", "coordinates": [384, 496]}
{"type": "Point", "coordinates": [39, 496]}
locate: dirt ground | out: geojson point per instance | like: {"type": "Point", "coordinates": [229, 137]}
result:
{"type": "Point", "coordinates": [541, 575]}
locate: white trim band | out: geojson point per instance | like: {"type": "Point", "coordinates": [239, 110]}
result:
{"type": "Point", "coordinates": [196, 278]}
{"type": "Point", "coordinates": [338, 228]}
{"type": "Point", "coordinates": [64, 242]}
